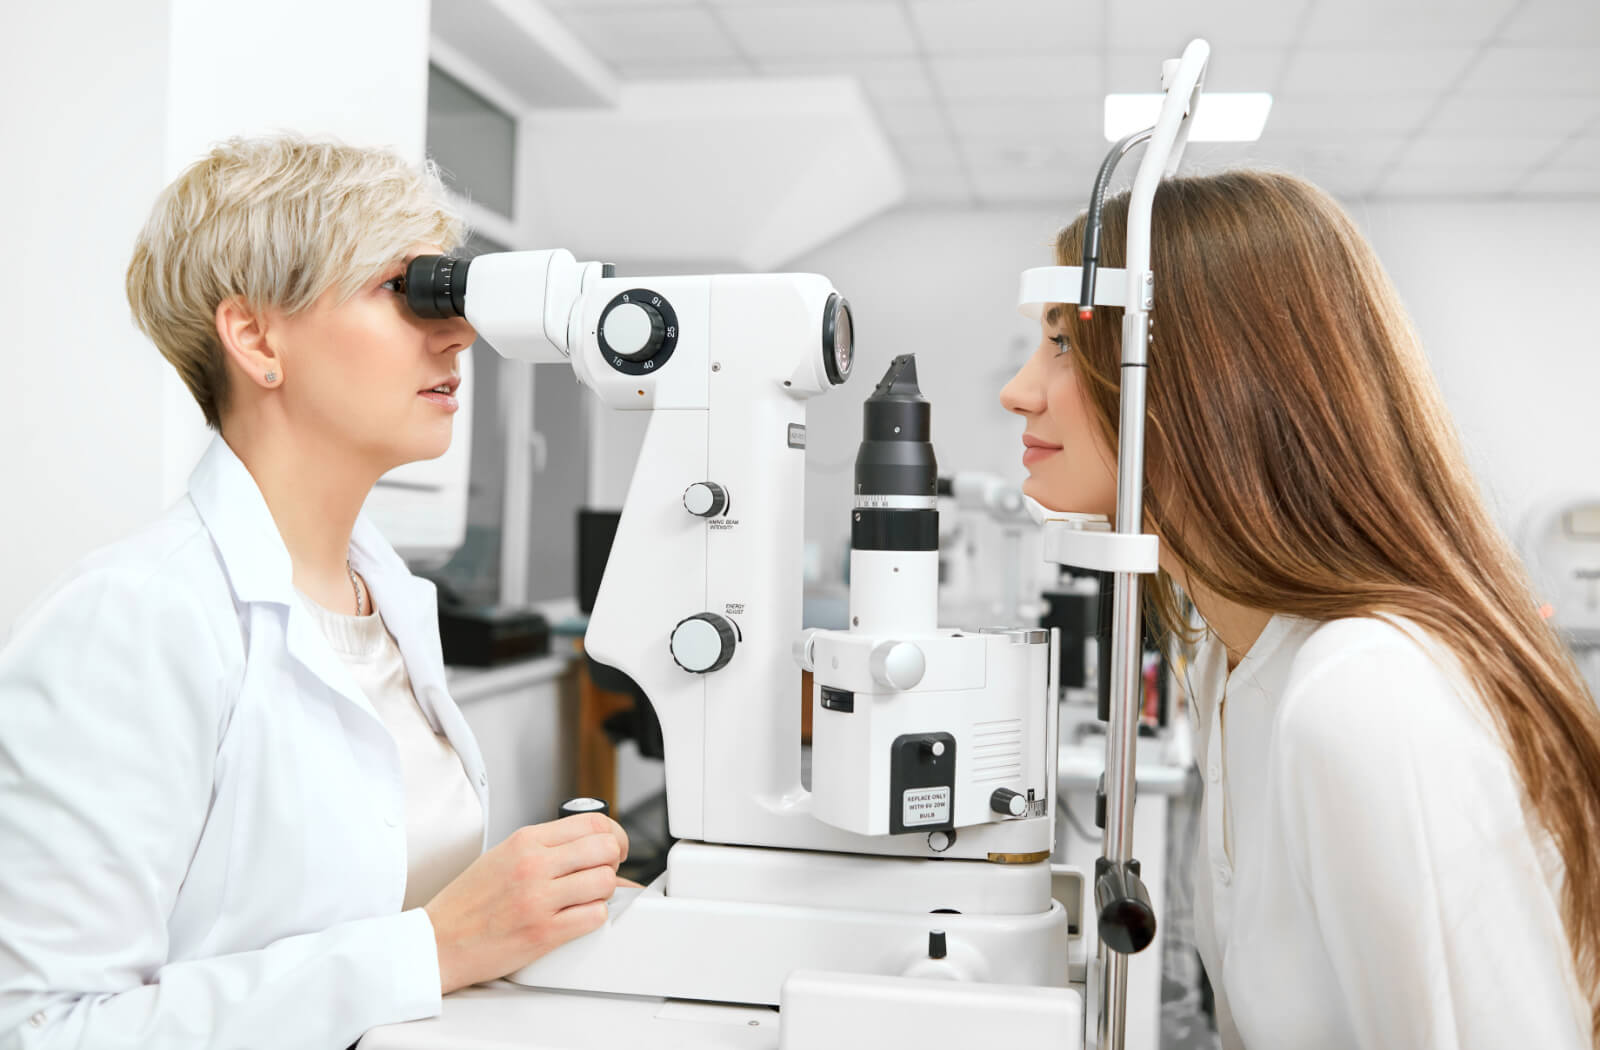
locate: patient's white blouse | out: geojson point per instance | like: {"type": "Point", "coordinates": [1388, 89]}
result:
{"type": "Point", "coordinates": [444, 819]}
{"type": "Point", "coordinates": [1367, 876]}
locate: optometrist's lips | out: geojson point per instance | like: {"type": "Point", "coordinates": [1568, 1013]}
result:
{"type": "Point", "coordinates": [442, 392]}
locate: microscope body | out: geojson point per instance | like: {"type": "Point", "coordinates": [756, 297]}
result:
{"type": "Point", "coordinates": [700, 605]}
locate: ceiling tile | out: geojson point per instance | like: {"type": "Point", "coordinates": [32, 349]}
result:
{"type": "Point", "coordinates": [1496, 151]}
{"type": "Point", "coordinates": [620, 37]}
{"type": "Point", "coordinates": [1299, 115]}
{"type": "Point", "coordinates": [1033, 155]}
{"type": "Point", "coordinates": [1523, 71]}
{"type": "Point", "coordinates": [1328, 152]}
{"type": "Point", "coordinates": [1582, 150]}
{"type": "Point", "coordinates": [1050, 79]}
{"type": "Point", "coordinates": [884, 80]}
{"type": "Point", "coordinates": [1480, 114]}
{"type": "Point", "coordinates": [563, 6]}
{"type": "Point", "coordinates": [1242, 69]}
{"type": "Point", "coordinates": [811, 29]}
{"type": "Point", "coordinates": [1169, 25]}
{"type": "Point", "coordinates": [1564, 182]}
{"type": "Point", "coordinates": [1349, 72]}
{"type": "Point", "coordinates": [912, 119]}
{"type": "Point", "coordinates": [1457, 181]}
{"type": "Point", "coordinates": [935, 188]}
{"type": "Point", "coordinates": [1388, 22]}
{"type": "Point", "coordinates": [1021, 118]}
{"type": "Point", "coordinates": [1554, 22]}
{"type": "Point", "coordinates": [703, 68]}
{"type": "Point", "coordinates": [927, 153]}
{"type": "Point", "coordinates": [1059, 187]}
{"type": "Point", "coordinates": [989, 26]}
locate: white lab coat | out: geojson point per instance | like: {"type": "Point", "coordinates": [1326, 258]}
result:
{"type": "Point", "coordinates": [202, 822]}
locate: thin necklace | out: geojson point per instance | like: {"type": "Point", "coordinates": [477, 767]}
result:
{"type": "Point", "coordinates": [355, 585]}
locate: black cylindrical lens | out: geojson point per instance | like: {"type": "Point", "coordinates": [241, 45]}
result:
{"type": "Point", "coordinates": [436, 285]}
{"type": "Point", "coordinates": [896, 456]}
{"type": "Point", "coordinates": [897, 476]}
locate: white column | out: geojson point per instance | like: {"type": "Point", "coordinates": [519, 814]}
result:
{"type": "Point", "coordinates": [109, 102]}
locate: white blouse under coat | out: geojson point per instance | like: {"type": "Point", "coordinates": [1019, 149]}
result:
{"type": "Point", "coordinates": [1367, 876]}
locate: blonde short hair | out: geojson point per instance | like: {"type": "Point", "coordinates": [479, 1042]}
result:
{"type": "Point", "coordinates": [277, 222]}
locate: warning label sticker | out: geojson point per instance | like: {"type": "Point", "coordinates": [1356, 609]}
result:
{"type": "Point", "coordinates": [920, 806]}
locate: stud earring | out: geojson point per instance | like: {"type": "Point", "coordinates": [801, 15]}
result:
{"type": "Point", "coordinates": [271, 377]}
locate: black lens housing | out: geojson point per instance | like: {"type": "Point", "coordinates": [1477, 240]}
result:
{"type": "Point", "coordinates": [838, 323]}
{"type": "Point", "coordinates": [436, 285]}
{"type": "Point", "coordinates": [896, 457]}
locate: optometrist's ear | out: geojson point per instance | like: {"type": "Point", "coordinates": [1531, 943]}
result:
{"type": "Point", "coordinates": [243, 333]}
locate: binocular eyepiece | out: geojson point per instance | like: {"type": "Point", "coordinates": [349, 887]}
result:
{"type": "Point", "coordinates": [436, 285]}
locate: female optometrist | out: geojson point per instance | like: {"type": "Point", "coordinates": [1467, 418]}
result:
{"type": "Point", "coordinates": [238, 807]}
{"type": "Point", "coordinates": [1401, 763]}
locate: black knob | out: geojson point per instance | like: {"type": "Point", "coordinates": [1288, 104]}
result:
{"type": "Point", "coordinates": [1008, 803]}
{"type": "Point", "coordinates": [574, 806]}
{"type": "Point", "coordinates": [936, 945]}
{"type": "Point", "coordinates": [632, 330]}
{"type": "Point", "coordinates": [1127, 922]}
{"type": "Point", "coordinates": [705, 498]}
{"type": "Point", "coordinates": [703, 643]}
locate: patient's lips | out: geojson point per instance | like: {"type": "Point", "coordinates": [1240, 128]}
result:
{"type": "Point", "coordinates": [1036, 449]}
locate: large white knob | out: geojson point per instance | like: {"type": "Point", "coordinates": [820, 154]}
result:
{"type": "Point", "coordinates": [633, 330]}
{"type": "Point", "coordinates": [703, 643]}
{"type": "Point", "coordinates": [897, 665]}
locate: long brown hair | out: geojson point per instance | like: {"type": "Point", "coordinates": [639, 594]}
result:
{"type": "Point", "coordinates": [1301, 460]}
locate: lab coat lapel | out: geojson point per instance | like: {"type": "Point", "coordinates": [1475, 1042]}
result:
{"type": "Point", "coordinates": [257, 563]}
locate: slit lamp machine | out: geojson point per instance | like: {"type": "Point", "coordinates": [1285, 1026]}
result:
{"type": "Point", "coordinates": [907, 897]}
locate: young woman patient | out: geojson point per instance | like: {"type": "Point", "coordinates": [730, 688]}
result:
{"type": "Point", "coordinates": [1401, 762]}
{"type": "Point", "coordinates": [238, 807]}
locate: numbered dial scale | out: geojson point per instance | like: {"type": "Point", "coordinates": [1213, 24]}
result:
{"type": "Point", "coordinates": [638, 331]}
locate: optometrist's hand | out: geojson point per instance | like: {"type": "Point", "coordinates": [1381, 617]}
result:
{"type": "Point", "coordinates": [545, 885]}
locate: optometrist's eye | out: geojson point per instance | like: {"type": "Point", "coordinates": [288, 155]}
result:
{"type": "Point", "coordinates": [396, 284]}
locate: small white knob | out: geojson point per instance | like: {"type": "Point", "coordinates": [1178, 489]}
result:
{"type": "Point", "coordinates": [897, 665]}
{"type": "Point", "coordinates": [705, 498]}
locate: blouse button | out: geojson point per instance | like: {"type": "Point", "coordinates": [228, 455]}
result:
{"type": "Point", "coordinates": [1213, 773]}
{"type": "Point", "coordinates": [1224, 875]}
{"type": "Point", "coordinates": [37, 1020]}
{"type": "Point", "coordinates": [483, 780]}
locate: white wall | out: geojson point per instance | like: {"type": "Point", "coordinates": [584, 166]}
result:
{"type": "Point", "coordinates": [81, 433]}
{"type": "Point", "coordinates": [1501, 294]}
{"type": "Point", "coordinates": [115, 100]}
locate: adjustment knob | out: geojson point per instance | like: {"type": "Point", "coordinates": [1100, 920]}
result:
{"type": "Point", "coordinates": [583, 805]}
{"type": "Point", "coordinates": [1008, 803]}
{"type": "Point", "coordinates": [897, 665]}
{"type": "Point", "coordinates": [703, 643]}
{"type": "Point", "coordinates": [705, 498]}
{"type": "Point", "coordinates": [633, 331]}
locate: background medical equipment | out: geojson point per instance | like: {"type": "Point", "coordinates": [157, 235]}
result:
{"type": "Point", "coordinates": [981, 581]}
{"type": "Point", "coordinates": [934, 750]}
{"type": "Point", "coordinates": [1561, 544]}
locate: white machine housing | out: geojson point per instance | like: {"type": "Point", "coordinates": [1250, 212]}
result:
{"type": "Point", "coordinates": [700, 605]}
